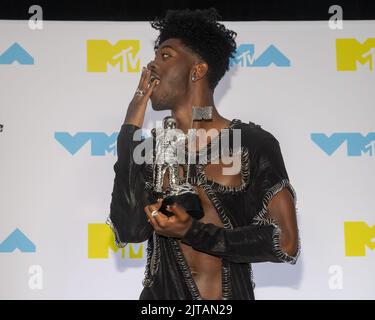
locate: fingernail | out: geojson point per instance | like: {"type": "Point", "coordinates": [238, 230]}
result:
{"type": "Point", "coordinates": [157, 82]}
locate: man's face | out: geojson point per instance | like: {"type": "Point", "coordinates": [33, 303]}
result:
{"type": "Point", "coordinates": [172, 65]}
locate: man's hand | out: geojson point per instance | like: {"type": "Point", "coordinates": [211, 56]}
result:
{"type": "Point", "coordinates": [175, 226]}
{"type": "Point", "coordinates": [137, 107]}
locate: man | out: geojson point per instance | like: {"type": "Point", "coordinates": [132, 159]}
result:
{"type": "Point", "coordinates": [248, 216]}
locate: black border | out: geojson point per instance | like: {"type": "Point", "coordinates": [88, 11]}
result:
{"type": "Point", "coordinates": [146, 10]}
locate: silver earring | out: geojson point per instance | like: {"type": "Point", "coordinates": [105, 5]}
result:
{"type": "Point", "coordinates": [193, 78]}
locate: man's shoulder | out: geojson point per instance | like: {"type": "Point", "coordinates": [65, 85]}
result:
{"type": "Point", "coordinates": [254, 136]}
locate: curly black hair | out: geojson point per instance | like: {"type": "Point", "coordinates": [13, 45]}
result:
{"type": "Point", "coordinates": [200, 31]}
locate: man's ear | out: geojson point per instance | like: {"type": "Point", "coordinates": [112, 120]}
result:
{"type": "Point", "coordinates": [199, 71]}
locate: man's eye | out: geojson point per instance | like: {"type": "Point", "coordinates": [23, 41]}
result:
{"type": "Point", "coordinates": [165, 55]}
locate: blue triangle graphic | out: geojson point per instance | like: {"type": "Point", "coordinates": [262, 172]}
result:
{"type": "Point", "coordinates": [17, 240]}
{"type": "Point", "coordinates": [16, 53]}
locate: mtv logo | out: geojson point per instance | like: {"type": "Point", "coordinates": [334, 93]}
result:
{"type": "Point", "coordinates": [17, 240]}
{"type": "Point", "coordinates": [245, 57]}
{"type": "Point", "coordinates": [101, 55]}
{"type": "Point", "coordinates": [101, 239]}
{"type": "Point", "coordinates": [357, 144]}
{"type": "Point", "coordinates": [101, 143]}
{"type": "Point", "coordinates": [358, 236]}
{"type": "Point", "coordinates": [351, 54]}
{"type": "Point", "coordinates": [15, 53]}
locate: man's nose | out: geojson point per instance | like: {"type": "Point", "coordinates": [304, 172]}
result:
{"type": "Point", "coordinates": [151, 65]}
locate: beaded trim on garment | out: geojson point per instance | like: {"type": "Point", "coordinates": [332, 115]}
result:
{"type": "Point", "coordinates": [262, 219]}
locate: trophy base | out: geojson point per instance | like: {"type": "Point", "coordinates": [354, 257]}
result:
{"type": "Point", "coordinates": [189, 201]}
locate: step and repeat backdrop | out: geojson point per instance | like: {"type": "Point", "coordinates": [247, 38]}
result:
{"type": "Point", "coordinates": [63, 98]}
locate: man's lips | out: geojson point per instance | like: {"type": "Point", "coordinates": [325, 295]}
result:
{"type": "Point", "coordinates": [154, 77]}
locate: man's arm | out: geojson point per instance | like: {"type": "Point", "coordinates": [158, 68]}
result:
{"type": "Point", "coordinates": [129, 194]}
{"type": "Point", "coordinates": [251, 243]}
{"type": "Point", "coordinates": [274, 242]}
{"type": "Point", "coordinates": [282, 209]}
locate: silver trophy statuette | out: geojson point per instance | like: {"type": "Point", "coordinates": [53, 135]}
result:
{"type": "Point", "coordinates": [169, 155]}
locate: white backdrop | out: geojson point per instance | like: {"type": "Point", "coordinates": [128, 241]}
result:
{"type": "Point", "coordinates": [56, 176]}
